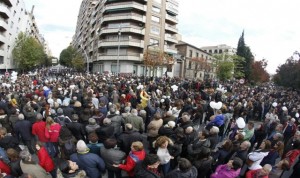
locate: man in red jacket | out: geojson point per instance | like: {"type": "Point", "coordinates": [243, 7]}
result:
{"type": "Point", "coordinates": [260, 173]}
{"type": "Point", "coordinates": [38, 128]}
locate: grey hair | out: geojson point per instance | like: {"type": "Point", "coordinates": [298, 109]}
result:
{"type": "Point", "coordinates": [247, 143]}
{"type": "Point", "coordinates": [21, 117]}
{"type": "Point", "coordinates": [214, 130]}
{"type": "Point", "coordinates": [134, 112]}
{"type": "Point", "coordinates": [39, 116]}
{"type": "Point", "coordinates": [25, 155]}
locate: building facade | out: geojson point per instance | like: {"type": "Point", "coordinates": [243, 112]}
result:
{"type": "Point", "coordinates": [195, 63]}
{"type": "Point", "coordinates": [112, 32]}
{"type": "Point", "coordinates": [219, 49]}
{"type": "Point", "coordinates": [14, 19]}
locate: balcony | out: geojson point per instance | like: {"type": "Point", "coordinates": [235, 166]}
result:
{"type": "Point", "coordinates": [171, 28]}
{"type": "Point", "coordinates": [3, 25]}
{"type": "Point", "coordinates": [2, 39]}
{"type": "Point", "coordinates": [123, 42]}
{"type": "Point", "coordinates": [172, 9]}
{"type": "Point", "coordinates": [170, 50]}
{"type": "Point", "coordinates": [172, 19]}
{"type": "Point", "coordinates": [4, 11]}
{"type": "Point", "coordinates": [128, 57]}
{"type": "Point", "coordinates": [171, 39]}
{"type": "Point", "coordinates": [173, 2]}
{"type": "Point", "coordinates": [125, 6]}
{"type": "Point", "coordinates": [124, 16]}
{"type": "Point", "coordinates": [7, 2]}
{"type": "Point", "coordinates": [130, 29]}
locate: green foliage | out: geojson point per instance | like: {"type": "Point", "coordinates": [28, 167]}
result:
{"type": "Point", "coordinates": [229, 66]}
{"type": "Point", "coordinates": [28, 53]}
{"type": "Point", "coordinates": [288, 74]}
{"type": "Point", "coordinates": [245, 52]}
{"type": "Point", "coordinates": [70, 57]}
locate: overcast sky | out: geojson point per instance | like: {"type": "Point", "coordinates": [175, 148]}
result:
{"type": "Point", "coordinates": [271, 26]}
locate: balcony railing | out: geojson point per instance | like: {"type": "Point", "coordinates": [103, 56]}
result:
{"type": "Point", "coordinates": [125, 5]}
{"type": "Point", "coordinates": [4, 11]}
{"type": "Point", "coordinates": [170, 50]}
{"type": "Point", "coordinates": [170, 8]}
{"type": "Point", "coordinates": [172, 18]}
{"type": "Point", "coordinates": [124, 16]}
{"type": "Point", "coordinates": [174, 2]}
{"type": "Point", "coordinates": [123, 42]}
{"type": "Point", "coordinates": [3, 25]}
{"type": "Point", "coordinates": [114, 56]}
{"type": "Point", "coordinates": [131, 29]}
{"type": "Point", "coordinates": [171, 38]}
{"type": "Point", "coordinates": [171, 28]}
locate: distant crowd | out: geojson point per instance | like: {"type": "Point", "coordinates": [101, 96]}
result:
{"type": "Point", "coordinates": [66, 125]}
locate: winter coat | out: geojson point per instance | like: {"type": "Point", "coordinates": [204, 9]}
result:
{"type": "Point", "coordinates": [197, 146]}
{"type": "Point", "coordinates": [126, 138]}
{"type": "Point", "coordinates": [222, 171]}
{"type": "Point", "coordinates": [52, 133]}
{"type": "Point", "coordinates": [292, 155]}
{"type": "Point", "coordinates": [203, 166]}
{"type": "Point", "coordinates": [15, 167]}
{"type": "Point", "coordinates": [270, 158]}
{"type": "Point", "coordinates": [9, 142]}
{"type": "Point", "coordinates": [256, 157]}
{"type": "Point", "coordinates": [252, 174]}
{"type": "Point", "coordinates": [131, 162]}
{"type": "Point", "coordinates": [214, 140]}
{"type": "Point", "coordinates": [45, 161]}
{"type": "Point", "coordinates": [105, 132]}
{"type": "Point", "coordinates": [34, 169]}
{"type": "Point", "coordinates": [38, 129]}
{"type": "Point", "coordinates": [136, 122]}
{"type": "Point", "coordinates": [112, 156]}
{"type": "Point", "coordinates": [192, 173]}
{"type": "Point", "coordinates": [117, 121]}
{"type": "Point", "coordinates": [91, 163]}
{"type": "Point", "coordinates": [91, 128]}
{"type": "Point", "coordinates": [140, 171]}
{"type": "Point", "coordinates": [166, 131]}
{"type": "Point", "coordinates": [4, 168]}
{"type": "Point", "coordinates": [77, 130]}
{"type": "Point", "coordinates": [23, 129]}
{"type": "Point", "coordinates": [153, 127]}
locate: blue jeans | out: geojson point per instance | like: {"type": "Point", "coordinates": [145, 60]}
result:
{"type": "Point", "coordinates": [166, 168]}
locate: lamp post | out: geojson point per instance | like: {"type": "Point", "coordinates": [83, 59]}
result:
{"type": "Point", "coordinates": [118, 57]}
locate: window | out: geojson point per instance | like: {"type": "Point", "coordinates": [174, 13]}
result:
{"type": "Point", "coordinates": [191, 53]}
{"type": "Point", "coordinates": [157, 1]}
{"type": "Point", "coordinates": [197, 54]}
{"type": "Point", "coordinates": [15, 13]}
{"type": "Point", "coordinates": [155, 9]}
{"type": "Point", "coordinates": [155, 30]}
{"type": "Point", "coordinates": [114, 68]}
{"type": "Point", "coordinates": [12, 24]}
{"type": "Point", "coordinates": [220, 51]}
{"type": "Point", "coordinates": [216, 51]}
{"type": "Point", "coordinates": [155, 19]}
{"type": "Point", "coordinates": [1, 60]}
{"type": "Point", "coordinates": [196, 66]}
{"type": "Point", "coordinates": [190, 64]}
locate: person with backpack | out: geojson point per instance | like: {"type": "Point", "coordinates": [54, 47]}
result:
{"type": "Point", "coordinates": [136, 155]}
{"type": "Point", "coordinates": [67, 143]}
{"type": "Point", "coordinates": [61, 118]}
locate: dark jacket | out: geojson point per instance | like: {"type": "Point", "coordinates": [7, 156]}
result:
{"type": "Point", "coordinates": [23, 129]}
{"type": "Point", "coordinates": [15, 167]}
{"type": "Point", "coordinates": [203, 166]}
{"type": "Point", "coordinates": [91, 163]}
{"type": "Point", "coordinates": [126, 138]}
{"type": "Point", "coordinates": [214, 140]}
{"type": "Point", "coordinates": [77, 130]}
{"type": "Point", "coordinates": [117, 121]}
{"type": "Point", "coordinates": [68, 111]}
{"type": "Point", "coordinates": [176, 173]}
{"type": "Point", "coordinates": [112, 156]}
{"type": "Point", "coordinates": [166, 131]}
{"type": "Point", "coordinates": [10, 142]}
{"type": "Point", "coordinates": [105, 132]}
{"type": "Point", "coordinates": [142, 172]}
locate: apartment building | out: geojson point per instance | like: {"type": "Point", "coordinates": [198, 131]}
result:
{"type": "Point", "coordinates": [14, 19]}
{"type": "Point", "coordinates": [195, 63]}
{"type": "Point", "coordinates": [219, 49]}
{"type": "Point", "coordinates": [112, 32]}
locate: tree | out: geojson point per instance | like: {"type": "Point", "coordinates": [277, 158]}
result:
{"type": "Point", "coordinates": [288, 74]}
{"type": "Point", "coordinates": [157, 58]}
{"type": "Point", "coordinates": [259, 73]}
{"type": "Point", "coordinates": [228, 66]}
{"type": "Point", "coordinates": [202, 64]}
{"type": "Point", "coordinates": [28, 53]}
{"type": "Point", "coordinates": [70, 57]}
{"type": "Point", "coordinates": [245, 51]}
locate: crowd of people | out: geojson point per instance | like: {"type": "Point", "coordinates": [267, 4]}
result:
{"type": "Point", "coordinates": [90, 125]}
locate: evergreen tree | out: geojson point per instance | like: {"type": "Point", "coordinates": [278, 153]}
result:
{"type": "Point", "coordinates": [245, 52]}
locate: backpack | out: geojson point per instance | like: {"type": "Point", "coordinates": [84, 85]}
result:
{"type": "Point", "coordinates": [69, 148]}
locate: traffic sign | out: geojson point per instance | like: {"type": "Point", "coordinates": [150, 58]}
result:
{"type": "Point", "coordinates": [242, 81]}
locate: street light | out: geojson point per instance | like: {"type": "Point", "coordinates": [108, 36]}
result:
{"type": "Point", "coordinates": [118, 58]}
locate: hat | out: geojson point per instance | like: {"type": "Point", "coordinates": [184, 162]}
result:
{"type": "Point", "coordinates": [106, 121]}
{"type": "Point", "coordinates": [171, 124]}
{"type": "Point", "coordinates": [60, 111]}
{"type": "Point", "coordinates": [92, 121]}
{"type": "Point", "coordinates": [77, 104]}
{"type": "Point", "coordinates": [81, 147]}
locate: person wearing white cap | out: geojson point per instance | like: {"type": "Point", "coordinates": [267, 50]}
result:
{"type": "Point", "coordinates": [91, 163]}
